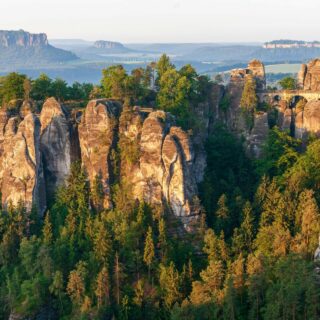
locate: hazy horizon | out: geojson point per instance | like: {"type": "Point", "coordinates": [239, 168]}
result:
{"type": "Point", "coordinates": [166, 21]}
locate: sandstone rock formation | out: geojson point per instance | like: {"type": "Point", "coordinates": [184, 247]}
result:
{"type": "Point", "coordinates": [21, 173]}
{"type": "Point", "coordinates": [255, 69]}
{"type": "Point", "coordinates": [55, 144]}
{"type": "Point", "coordinates": [309, 76]}
{"type": "Point", "coordinates": [164, 170]}
{"type": "Point", "coordinates": [97, 136]}
{"type": "Point", "coordinates": [308, 120]}
{"type": "Point", "coordinates": [258, 134]}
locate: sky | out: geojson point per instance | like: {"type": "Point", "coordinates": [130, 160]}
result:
{"type": "Point", "coordinates": [137, 21]}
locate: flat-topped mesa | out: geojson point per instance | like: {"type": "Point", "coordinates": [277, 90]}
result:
{"type": "Point", "coordinates": [102, 44]}
{"type": "Point", "coordinates": [21, 173]}
{"type": "Point", "coordinates": [309, 76]}
{"type": "Point", "coordinates": [97, 137]}
{"type": "Point", "coordinates": [55, 144]}
{"type": "Point", "coordinates": [22, 38]}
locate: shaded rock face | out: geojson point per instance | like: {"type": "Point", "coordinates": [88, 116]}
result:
{"type": "Point", "coordinates": [21, 172]}
{"type": "Point", "coordinates": [55, 144]}
{"type": "Point", "coordinates": [258, 134]}
{"type": "Point", "coordinates": [164, 171]}
{"type": "Point", "coordinates": [96, 135]}
{"type": "Point", "coordinates": [309, 76]}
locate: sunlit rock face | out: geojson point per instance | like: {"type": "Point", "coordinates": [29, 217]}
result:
{"type": "Point", "coordinates": [164, 170]}
{"type": "Point", "coordinates": [96, 135]}
{"type": "Point", "coordinates": [21, 171]}
{"type": "Point", "coordinates": [55, 144]}
{"type": "Point", "coordinates": [307, 120]}
{"type": "Point", "coordinates": [309, 76]}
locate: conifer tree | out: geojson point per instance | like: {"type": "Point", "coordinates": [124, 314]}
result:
{"type": "Point", "coordinates": [47, 230]}
{"type": "Point", "coordinates": [149, 253]}
{"type": "Point", "coordinates": [102, 290]}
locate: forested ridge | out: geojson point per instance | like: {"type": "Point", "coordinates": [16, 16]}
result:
{"type": "Point", "coordinates": [250, 257]}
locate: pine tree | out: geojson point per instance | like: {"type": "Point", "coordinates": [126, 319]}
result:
{"type": "Point", "coordinates": [57, 287]}
{"type": "Point", "coordinates": [307, 224]}
{"type": "Point", "coordinates": [222, 215]}
{"type": "Point", "coordinates": [149, 253]}
{"type": "Point", "coordinates": [75, 287]}
{"type": "Point", "coordinates": [47, 230]}
{"type": "Point", "coordinates": [169, 282]}
{"type": "Point", "coordinates": [118, 276]}
{"type": "Point", "coordinates": [162, 240]}
{"type": "Point", "coordinates": [102, 244]}
{"type": "Point", "coordinates": [102, 291]}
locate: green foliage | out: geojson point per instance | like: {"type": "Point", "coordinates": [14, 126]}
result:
{"type": "Point", "coordinates": [280, 152]}
{"type": "Point", "coordinates": [12, 87]}
{"type": "Point", "coordinates": [225, 103]}
{"type": "Point", "coordinates": [288, 83]}
{"type": "Point", "coordinates": [254, 261]}
{"type": "Point", "coordinates": [249, 99]}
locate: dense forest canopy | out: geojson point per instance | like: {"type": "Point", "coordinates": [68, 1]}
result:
{"type": "Point", "coordinates": [250, 258]}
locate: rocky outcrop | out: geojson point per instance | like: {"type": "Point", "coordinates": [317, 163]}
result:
{"type": "Point", "coordinates": [21, 172]}
{"type": "Point", "coordinates": [97, 137]}
{"type": "Point", "coordinates": [164, 170]}
{"type": "Point", "coordinates": [55, 144]}
{"type": "Point", "coordinates": [22, 38]}
{"type": "Point", "coordinates": [258, 134]}
{"type": "Point", "coordinates": [308, 120]}
{"type": "Point", "coordinates": [309, 76]}
{"type": "Point", "coordinates": [255, 69]}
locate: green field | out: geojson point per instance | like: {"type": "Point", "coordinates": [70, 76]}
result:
{"type": "Point", "coordinates": [283, 68]}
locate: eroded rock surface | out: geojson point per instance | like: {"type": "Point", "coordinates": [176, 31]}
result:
{"type": "Point", "coordinates": [164, 171]}
{"type": "Point", "coordinates": [96, 135]}
{"type": "Point", "coordinates": [55, 144]}
{"type": "Point", "coordinates": [21, 172]}
{"type": "Point", "coordinates": [309, 76]}
{"type": "Point", "coordinates": [308, 120]}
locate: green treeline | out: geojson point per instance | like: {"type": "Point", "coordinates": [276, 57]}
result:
{"type": "Point", "coordinates": [250, 258]}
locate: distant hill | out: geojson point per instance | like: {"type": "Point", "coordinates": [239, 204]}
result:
{"type": "Point", "coordinates": [107, 47]}
{"type": "Point", "coordinates": [21, 48]}
{"type": "Point", "coordinates": [245, 53]}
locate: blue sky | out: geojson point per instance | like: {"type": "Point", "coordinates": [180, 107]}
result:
{"type": "Point", "coordinates": [165, 20]}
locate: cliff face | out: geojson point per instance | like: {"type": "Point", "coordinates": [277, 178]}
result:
{"type": "Point", "coordinates": [309, 76]}
{"type": "Point", "coordinates": [163, 171]}
{"type": "Point", "coordinates": [21, 48]}
{"type": "Point", "coordinates": [96, 134]}
{"type": "Point", "coordinates": [22, 39]}
{"type": "Point", "coordinates": [21, 172]}
{"type": "Point", "coordinates": [55, 144]}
